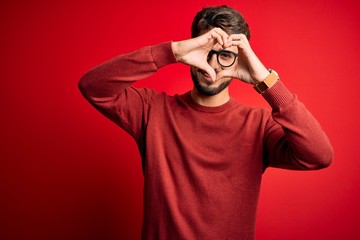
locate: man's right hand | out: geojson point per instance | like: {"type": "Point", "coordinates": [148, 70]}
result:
{"type": "Point", "coordinates": [194, 51]}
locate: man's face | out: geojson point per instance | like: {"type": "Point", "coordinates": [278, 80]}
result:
{"type": "Point", "coordinates": [202, 81]}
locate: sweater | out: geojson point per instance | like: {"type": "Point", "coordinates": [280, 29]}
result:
{"type": "Point", "coordinates": [203, 166]}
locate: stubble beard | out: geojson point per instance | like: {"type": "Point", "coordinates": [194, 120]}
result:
{"type": "Point", "coordinates": [208, 90]}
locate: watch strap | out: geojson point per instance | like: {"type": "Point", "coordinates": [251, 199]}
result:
{"type": "Point", "coordinates": [268, 82]}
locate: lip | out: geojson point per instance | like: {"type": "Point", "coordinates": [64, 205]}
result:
{"type": "Point", "coordinates": [205, 76]}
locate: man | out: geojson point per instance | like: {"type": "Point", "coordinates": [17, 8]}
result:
{"type": "Point", "coordinates": [204, 153]}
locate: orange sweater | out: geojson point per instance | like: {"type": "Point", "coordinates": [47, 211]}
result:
{"type": "Point", "coordinates": [202, 165]}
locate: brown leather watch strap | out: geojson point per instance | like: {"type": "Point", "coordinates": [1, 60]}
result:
{"type": "Point", "coordinates": [268, 82]}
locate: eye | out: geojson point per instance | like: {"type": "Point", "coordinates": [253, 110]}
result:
{"type": "Point", "coordinates": [226, 55]}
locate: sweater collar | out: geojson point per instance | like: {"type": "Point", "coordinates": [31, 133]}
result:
{"type": "Point", "coordinates": [188, 99]}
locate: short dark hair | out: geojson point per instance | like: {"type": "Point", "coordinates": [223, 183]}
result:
{"type": "Point", "coordinates": [224, 17]}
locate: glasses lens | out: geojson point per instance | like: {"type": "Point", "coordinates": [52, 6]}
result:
{"type": "Point", "coordinates": [226, 58]}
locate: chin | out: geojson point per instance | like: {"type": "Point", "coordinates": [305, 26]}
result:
{"type": "Point", "coordinates": [206, 87]}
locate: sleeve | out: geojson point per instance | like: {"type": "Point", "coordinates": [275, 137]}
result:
{"type": "Point", "coordinates": [108, 86]}
{"type": "Point", "coordinates": [294, 139]}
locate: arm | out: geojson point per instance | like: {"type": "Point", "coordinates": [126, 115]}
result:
{"type": "Point", "coordinates": [108, 79]}
{"type": "Point", "coordinates": [104, 82]}
{"type": "Point", "coordinates": [293, 137]}
{"type": "Point", "coordinates": [107, 86]}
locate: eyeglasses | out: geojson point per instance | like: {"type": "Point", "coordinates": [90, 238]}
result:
{"type": "Point", "coordinates": [225, 58]}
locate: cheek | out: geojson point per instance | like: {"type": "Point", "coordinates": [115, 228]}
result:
{"type": "Point", "coordinates": [194, 71]}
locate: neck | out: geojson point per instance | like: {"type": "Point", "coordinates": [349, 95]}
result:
{"type": "Point", "coordinates": [210, 101]}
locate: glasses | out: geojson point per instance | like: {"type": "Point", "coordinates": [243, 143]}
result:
{"type": "Point", "coordinates": [225, 58]}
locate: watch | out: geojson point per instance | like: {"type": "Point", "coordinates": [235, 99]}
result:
{"type": "Point", "coordinates": [268, 82]}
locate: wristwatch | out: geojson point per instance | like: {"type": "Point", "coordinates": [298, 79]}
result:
{"type": "Point", "coordinates": [268, 82]}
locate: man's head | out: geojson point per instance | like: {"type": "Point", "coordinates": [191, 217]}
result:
{"type": "Point", "coordinates": [226, 18]}
{"type": "Point", "coordinates": [229, 20]}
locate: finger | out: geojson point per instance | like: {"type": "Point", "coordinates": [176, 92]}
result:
{"type": "Point", "coordinates": [226, 73]}
{"type": "Point", "coordinates": [209, 70]}
{"type": "Point", "coordinates": [220, 36]}
{"type": "Point", "coordinates": [217, 37]}
{"type": "Point", "coordinates": [211, 73]}
{"type": "Point", "coordinates": [223, 35]}
{"type": "Point", "coordinates": [239, 36]}
{"type": "Point", "coordinates": [238, 40]}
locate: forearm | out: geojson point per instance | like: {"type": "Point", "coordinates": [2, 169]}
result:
{"type": "Point", "coordinates": [111, 77]}
{"type": "Point", "coordinates": [300, 143]}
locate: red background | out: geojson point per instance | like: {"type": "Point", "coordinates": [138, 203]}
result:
{"type": "Point", "coordinates": [69, 173]}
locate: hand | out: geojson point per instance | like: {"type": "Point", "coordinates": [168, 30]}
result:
{"type": "Point", "coordinates": [248, 67]}
{"type": "Point", "coordinates": [194, 51]}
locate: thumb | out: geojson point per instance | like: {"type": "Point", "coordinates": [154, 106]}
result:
{"type": "Point", "coordinates": [226, 73]}
{"type": "Point", "coordinates": [210, 71]}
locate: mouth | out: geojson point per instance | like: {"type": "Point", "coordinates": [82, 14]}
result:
{"type": "Point", "coordinates": [206, 76]}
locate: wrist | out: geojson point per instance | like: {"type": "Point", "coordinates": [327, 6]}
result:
{"type": "Point", "coordinates": [175, 49]}
{"type": "Point", "coordinates": [261, 76]}
{"type": "Point", "coordinates": [268, 82]}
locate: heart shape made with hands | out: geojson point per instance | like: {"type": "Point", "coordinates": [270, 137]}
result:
{"type": "Point", "coordinates": [195, 52]}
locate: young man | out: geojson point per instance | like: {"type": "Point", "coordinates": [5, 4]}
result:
{"type": "Point", "coordinates": [204, 153]}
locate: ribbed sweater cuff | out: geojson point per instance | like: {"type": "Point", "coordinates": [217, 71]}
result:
{"type": "Point", "coordinates": [163, 54]}
{"type": "Point", "coordinates": [278, 96]}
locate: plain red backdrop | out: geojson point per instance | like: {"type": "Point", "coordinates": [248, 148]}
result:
{"type": "Point", "coordinates": [69, 173]}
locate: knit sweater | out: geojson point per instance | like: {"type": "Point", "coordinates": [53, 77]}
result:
{"type": "Point", "coordinates": [202, 166]}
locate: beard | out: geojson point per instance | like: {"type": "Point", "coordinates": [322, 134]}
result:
{"type": "Point", "coordinates": [207, 89]}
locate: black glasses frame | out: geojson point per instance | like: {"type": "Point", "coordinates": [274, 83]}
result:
{"type": "Point", "coordinates": [212, 52]}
